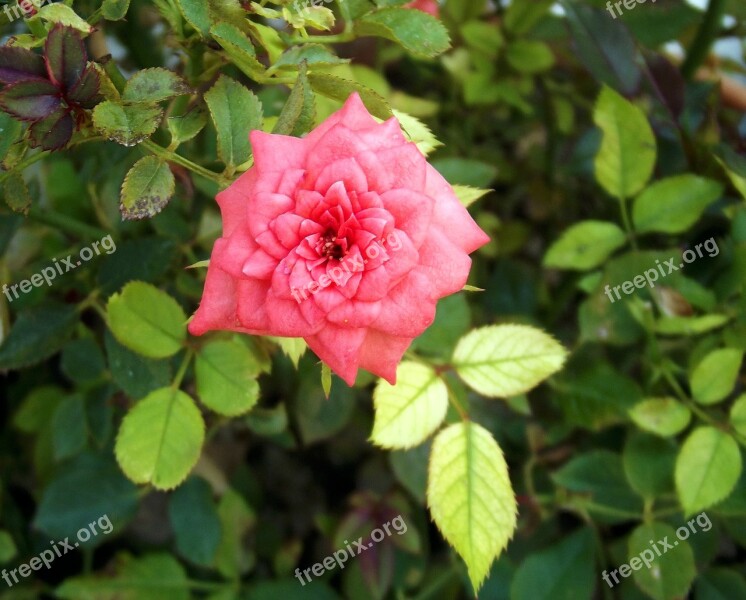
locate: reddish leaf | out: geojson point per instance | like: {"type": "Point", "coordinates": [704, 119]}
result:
{"type": "Point", "coordinates": [65, 55]}
{"type": "Point", "coordinates": [52, 132]}
{"type": "Point", "coordinates": [18, 64]}
{"type": "Point", "coordinates": [85, 92]}
{"type": "Point", "coordinates": [30, 100]}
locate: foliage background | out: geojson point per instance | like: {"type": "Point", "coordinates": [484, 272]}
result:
{"type": "Point", "coordinates": [520, 102]}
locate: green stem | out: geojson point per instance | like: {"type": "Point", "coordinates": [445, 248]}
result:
{"type": "Point", "coordinates": [68, 224]}
{"type": "Point", "coordinates": [706, 36]}
{"type": "Point", "coordinates": [183, 368]}
{"type": "Point", "coordinates": [338, 38]}
{"type": "Point", "coordinates": [627, 222]}
{"type": "Point", "coordinates": [24, 163]}
{"type": "Point", "coordinates": [434, 589]}
{"type": "Point", "coordinates": [185, 162]}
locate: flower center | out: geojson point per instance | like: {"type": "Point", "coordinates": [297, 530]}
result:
{"type": "Point", "coordinates": [330, 246]}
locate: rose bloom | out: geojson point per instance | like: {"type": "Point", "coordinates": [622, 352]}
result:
{"type": "Point", "coordinates": [430, 7]}
{"type": "Point", "coordinates": [346, 238]}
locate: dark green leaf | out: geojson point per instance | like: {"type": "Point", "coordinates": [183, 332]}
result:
{"type": "Point", "coordinates": [340, 89]}
{"type": "Point", "coordinates": [135, 375]}
{"type": "Point", "coordinates": [30, 100]}
{"type": "Point", "coordinates": [99, 489]}
{"type": "Point", "coordinates": [154, 85]}
{"type": "Point", "coordinates": [17, 64]}
{"type": "Point", "coordinates": [417, 32]}
{"type": "Point", "coordinates": [69, 427]}
{"type": "Point", "coordinates": [194, 519]}
{"type": "Point", "coordinates": [52, 132]}
{"type": "Point", "coordinates": [297, 115]}
{"type": "Point", "coordinates": [37, 334]}
{"type": "Point", "coordinates": [65, 55]}
{"type": "Point", "coordinates": [604, 46]}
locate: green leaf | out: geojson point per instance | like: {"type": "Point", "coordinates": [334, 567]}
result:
{"type": "Point", "coordinates": [738, 415]}
{"type": "Point", "coordinates": [161, 439]}
{"type": "Point", "coordinates": [37, 334]}
{"type": "Point", "coordinates": [598, 475]}
{"type": "Point", "coordinates": [326, 379]}
{"type": "Point", "coordinates": [311, 54]}
{"type": "Point", "coordinates": [417, 132]}
{"type": "Point", "coordinates": [126, 124]}
{"type": "Point", "coordinates": [299, 111]}
{"type": "Point", "coordinates": [585, 245]}
{"type": "Point", "coordinates": [99, 489]}
{"type": "Point", "coordinates": [154, 85]}
{"type": "Point", "coordinates": [226, 374]}
{"type": "Point", "coordinates": [707, 468]}
{"type": "Point", "coordinates": [195, 522]}
{"type": "Point", "coordinates": [152, 577]}
{"type": "Point", "coordinates": [114, 10]}
{"type": "Point", "coordinates": [410, 469]}
{"type": "Point", "coordinates": [238, 47]}
{"type": "Point", "coordinates": [694, 325]}
{"type": "Point", "coordinates": [147, 320]}
{"type": "Point", "coordinates": [10, 130]}
{"type": "Point", "coordinates": [64, 15]}
{"type": "Point", "coordinates": [236, 520]}
{"type": "Point", "coordinates": [720, 583]}
{"type": "Point", "coordinates": [626, 158]}
{"type": "Point", "coordinates": [468, 195]}
{"type": "Point", "coordinates": [69, 427]}
{"type": "Point", "coordinates": [134, 374]}
{"type": "Point", "coordinates": [197, 14]}
{"type": "Point", "coordinates": [506, 360]}
{"type": "Point", "coordinates": [715, 375]}
{"type": "Point", "coordinates": [417, 32]}
{"type": "Point", "coordinates": [563, 571]}
{"type": "Point", "coordinates": [187, 126]}
{"type": "Point", "coordinates": [293, 348]}
{"type": "Point", "coordinates": [407, 413]}
{"type": "Point", "coordinates": [674, 204]}
{"type": "Point", "coordinates": [37, 409]}
{"type": "Point", "coordinates": [529, 56]}
{"type": "Point", "coordinates": [649, 464]}
{"type": "Point", "coordinates": [521, 17]}
{"type": "Point", "coordinates": [662, 416]}
{"type": "Point", "coordinates": [466, 171]}
{"type": "Point", "coordinates": [8, 549]}
{"type": "Point", "coordinates": [671, 574]}
{"type": "Point", "coordinates": [147, 188]}
{"type": "Point", "coordinates": [340, 89]}
{"type": "Point", "coordinates": [235, 111]}
{"type": "Point", "coordinates": [470, 496]}
{"type": "Point", "coordinates": [16, 193]}
{"type": "Point", "coordinates": [82, 361]}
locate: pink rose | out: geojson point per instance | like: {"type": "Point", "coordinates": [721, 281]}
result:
{"type": "Point", "coordinates": [346, 238]}
{"type": "Point", "coordinates": [430, 7]}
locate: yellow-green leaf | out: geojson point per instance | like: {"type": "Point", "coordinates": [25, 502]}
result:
{"type": "Point", "coordinates": [626, 158]}
{"type": "Point", "coordinates": [470, 496]}
{"type": "Point", "coordinates": [505, 360]}
{"type": "Point", "coordinates": [715, 375]}
{"type": "Point", "coordinates": [226, 372]}
{"type": "Point", "coordinates": [147, 320]}
{"type": "Point", "coordinates": [408, 412]}
{"type": "Point", "coordinates": [707, 468]}
{"type": "Point", "coordinates": [161, 439]}
{"type": "Point", "coordinates": [662, 416]}
{"type": "Point", "coordinates": [585, 245]}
